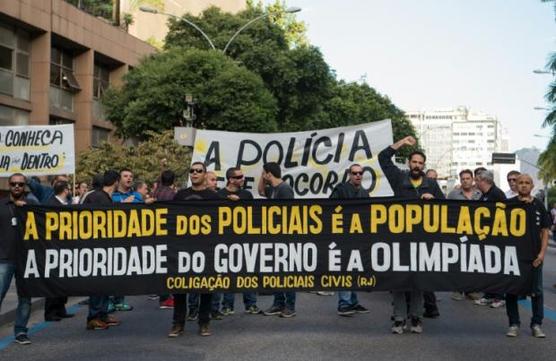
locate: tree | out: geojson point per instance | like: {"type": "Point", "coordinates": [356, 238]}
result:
{"type": "Point", "coordinates": [298, 77]}
{"type": "Point", "coordinates": [268, 80]}
{"type": "Point", "coordinates": [229, 96]}
{"type": "Point", "coordinates": [355, 103]}
{"type": "Point", "coordinates": [547, 159]}
{"type": "Point", "coordinates": [547, 162]}
{"type": "Point", "coordinates": [147, 159]}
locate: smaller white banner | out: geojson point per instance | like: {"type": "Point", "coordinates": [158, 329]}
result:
{"type": "Point", "coordinates": [37, 150]}
{"type": "Point", "coordinates": [312, 162]}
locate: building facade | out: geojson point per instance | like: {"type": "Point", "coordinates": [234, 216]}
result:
{"type": "Point", "coordinates": [459, 138]}
{"type": "Point", "coordinates": [55, 63]}
{"type": "Point", "coordinates": [153, 27]}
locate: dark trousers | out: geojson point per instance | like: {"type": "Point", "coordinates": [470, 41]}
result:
{"type": "Point", "coordinates": [537, 302]}
{"type": "Point", "coordinates": [430, 302]}
{"type": "Point", "coordinates": [180, 308]}
{"type": "Point", "coordinates": [55, 307]}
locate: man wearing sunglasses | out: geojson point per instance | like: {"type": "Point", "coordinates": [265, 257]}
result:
{"type": "Point", "coordinates": [197, 191]}
{"type": "Point", "coordinates": [234, 192]}
{"type": "Point", "coordinates": [8, 241]}
{"type": "Point", "coordinates": [348, 305]}
{"type": "Point", "coordinates": [512, 182]}
{"type": "Point", "coordinates": [411, 184]}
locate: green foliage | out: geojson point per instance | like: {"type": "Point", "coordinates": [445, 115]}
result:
{"type": "Point", "coordinates": [547, 162]}
{"type": "Point", "coordinates": [355, 103]}
{"type": "Point", "coordinates": [266, 81]}
{"type": "Point", "coordinates": [147, 159]}
{"type": "Point", "coordinates": [127, 21]}
{"type": "Point", "coordinates": [102, 8]}
{"type": "Point", "coordinates": [155, 42]}
{"type": "Point", "coordinates": [298, 77]}
{"type": "Point", "coordinates": [547, 159]}
{"type": "Point", "coordinates": [551, 196]}
{"type": "Point", "coordinates": [295, 31]}
{"type": "Point", "coordinates": [229, 96]}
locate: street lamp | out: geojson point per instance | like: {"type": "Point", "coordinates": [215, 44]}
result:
{"type": "Point", "coordinates": [148, 9]}
{"type": "Point", "coordinates": [539, 71]}
{"type": "Point", "coordinates": [289, 10]}
{"type": "Point", "coordinates": [541, 108]}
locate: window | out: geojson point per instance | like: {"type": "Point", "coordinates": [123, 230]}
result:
{"type": "Point", "coordinates": [59, 121]}
{"type": "Point", "coordinates": [14, 63]}
{"type": "Point", "coordinates": [12, 116]}
{"type": "Point", "coordinates": [61, 70]}
{"type": "Point", "coordinates": [101, 80]}
{"type": "Point", "coordinates": [99, 135]}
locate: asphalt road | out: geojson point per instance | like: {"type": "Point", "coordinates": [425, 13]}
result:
{"type": "Point", "coordinates": [463, 332]}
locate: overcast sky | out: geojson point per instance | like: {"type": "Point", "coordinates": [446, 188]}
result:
{"type": "Point", "coordinates": [430, 54]}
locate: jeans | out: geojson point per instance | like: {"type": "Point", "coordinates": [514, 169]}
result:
{"type": "Point", "coordinates": [401, 312]}
{"type": "Point", "coordinates": [98, 307]}
{"type": "Point", "coordinates": [228, 300]}
{"type": "Point", "coordinates": [537, 302]}
{"type": "Point", "coordinates": [347, 299]}
{"type": "Point", "coordinates": [23, 312]}
{"type": "Point", "coordinates": [284, 299]}
{"type": "Point", "coordinates": [180, 308]}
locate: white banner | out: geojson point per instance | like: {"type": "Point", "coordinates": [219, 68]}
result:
{"type": "Point", "coordinates": [312, 162]}
{"type": "Point", "coordinates": [37, 150]}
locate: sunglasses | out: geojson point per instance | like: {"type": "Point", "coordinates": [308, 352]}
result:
{"type": "Point", "coordinates": [17, 184]}
{"type": "Point", "coordinates": [196, 170]}
{"type": "Point", "coordinates": [238, 177]}
{"type": "Point", "coordinates": [512, 179]}
{"type": "Point", "coordinates": [357, 173]}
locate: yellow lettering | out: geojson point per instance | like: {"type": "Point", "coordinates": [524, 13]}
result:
{"type": "Point", "coordinates": [30, 227]}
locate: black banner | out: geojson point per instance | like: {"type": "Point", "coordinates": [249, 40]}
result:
{"type": "Point", "coordinates": [379, 244]}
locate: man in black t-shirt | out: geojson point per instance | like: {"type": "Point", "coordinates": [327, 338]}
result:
{"type": "Point", "coordinates": [98, 317]}
{"type": "Point", "coordinates": [234, 192]}
{"type": "Point", "coordinates": [272, 186]}
{"type": "Point", "coordinates": [197, 191]}
{"type": "Point", "coordinates": [8, 243]}
{"type": "Point", "coordinates": [539, 233]}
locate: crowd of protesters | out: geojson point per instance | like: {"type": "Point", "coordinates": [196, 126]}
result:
{"type": "Point", "coordinates": [409, 307]}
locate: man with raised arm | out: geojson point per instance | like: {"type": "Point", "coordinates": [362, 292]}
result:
{"type": "Point", "coordinates": [410, 184]}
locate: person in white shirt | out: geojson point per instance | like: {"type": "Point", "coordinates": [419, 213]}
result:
{"type": "Point", "coordinates": [512, 182]}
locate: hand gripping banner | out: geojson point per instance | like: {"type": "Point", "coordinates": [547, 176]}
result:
{"type": "Point", "coordinates": [260, 245]}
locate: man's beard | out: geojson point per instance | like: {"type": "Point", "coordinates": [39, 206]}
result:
{"type": "Point", "coordinates": [416, 173]}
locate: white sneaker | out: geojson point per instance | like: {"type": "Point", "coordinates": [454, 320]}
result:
{"type": "Point", "coordinates": [398, 327]}
{"type": "Point", "coordinates": [513, 331]}
{"type": "Point", "coordinates": [497, 303]}
{"type": "Point", "coordinates": [483, 301]}
{"type": "Point", "coordinates": [537, 331]}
